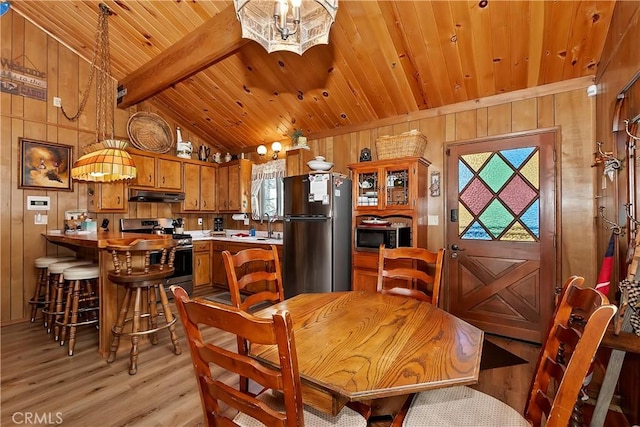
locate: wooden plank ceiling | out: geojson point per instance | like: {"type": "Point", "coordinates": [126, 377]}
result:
{"type": "Point", "coordinates": [384, 59]}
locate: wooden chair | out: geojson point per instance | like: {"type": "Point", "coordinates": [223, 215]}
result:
{"type": "Point", "coordinates": [419, 281]}
{"type": "Point", "coordinates": [258, 266]}
{"type": "Point", "coordinates": [579, 324]}
{"type": "Point", "coordinates": [282, 408]}
{"type": "Point", "coordinates": [250, 267]}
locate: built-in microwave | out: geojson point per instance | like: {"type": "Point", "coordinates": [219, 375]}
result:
{"type": "Point", "coordinates": [369, 238]}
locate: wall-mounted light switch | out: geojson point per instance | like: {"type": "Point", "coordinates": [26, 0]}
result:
{"type": "Point", "coordinates": [41, 219]}
{"type": "Point", "coordinates": [199, 221]}
{"type": "Point", "coordinates": [433, 220]}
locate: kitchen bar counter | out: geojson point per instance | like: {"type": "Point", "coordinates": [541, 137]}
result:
{"type": "Point", "coordinates": [110, 294]}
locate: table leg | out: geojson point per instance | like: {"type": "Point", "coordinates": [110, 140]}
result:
{"type": "Point", "coordinates": [610, 378]}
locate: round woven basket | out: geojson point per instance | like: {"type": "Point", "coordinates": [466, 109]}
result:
{"type": "Point", "coordinates": [150, 132]}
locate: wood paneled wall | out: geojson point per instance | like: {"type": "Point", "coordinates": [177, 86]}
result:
{"type": "Point", "coordinates": [571, 112]}
{"type": "Point", "coordinates": [21, 242]}
{"type": "Point", "coordinates": [66, 75]}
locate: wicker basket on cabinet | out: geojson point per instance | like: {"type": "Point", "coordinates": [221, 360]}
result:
{"type": "Point", "coordinates": [411, 143]}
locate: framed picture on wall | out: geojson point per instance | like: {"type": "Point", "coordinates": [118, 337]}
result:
{"type": "Point", "coordinates": [44, 165]}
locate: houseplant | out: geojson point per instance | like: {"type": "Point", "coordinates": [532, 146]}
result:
{"type": "Point", "coordinates": [298, 138]}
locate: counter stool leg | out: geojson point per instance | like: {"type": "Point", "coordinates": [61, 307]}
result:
{"type": "Point", "coordinates": [36, 301]}
{"type": "Point", "coordinates": [70, 307]}
{"type": "Point", "coordinates": [57, 315]}
{"type": "Point", "coordinates": [135, 338]}
{"type": "Point", "coordinates": [49, 312]}
{"type": "Point", "coordinates": [119, 326]}
{"type": "Point", "coordinates": [171, 321]}
{"type": "Point", "coordinates": [153, 313]}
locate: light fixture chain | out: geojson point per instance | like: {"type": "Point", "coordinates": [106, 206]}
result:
{"type": "Point", "coordinates": [102, 18]}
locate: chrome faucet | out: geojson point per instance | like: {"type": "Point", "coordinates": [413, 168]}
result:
{"type": "Point", "coordinates": [269, 231]}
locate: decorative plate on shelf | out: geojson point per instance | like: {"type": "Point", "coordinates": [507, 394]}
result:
{"type": "Point", "coordinates": [375, 221]}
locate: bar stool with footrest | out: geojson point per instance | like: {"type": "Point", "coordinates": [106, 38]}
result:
{"type": "Point", "coordinates": [136, 269]}
{"type": "Point", "coordinates": [41, 296]}
{"type": "Point", "coordinates": [57, 292]}
{"type": "Point", "coordinates": [82, 305]}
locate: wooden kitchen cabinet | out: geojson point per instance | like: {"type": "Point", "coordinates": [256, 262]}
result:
{"type": "Point", "coordinates": [395, 190]}
{"type": "Point", "coordinates": [202, 263]}
{"type": "Point", "coordinates": [234, 186]}
{"type": "Point", "coordinates": [199, 187]}
{"type": "Point", "coordinates": [107, 197]}
{"type": "Point", "coordinates": [146, 171]}
{"type": "Point", "coordinates": [169, 175]}
{"type": "Point", "coordinates": [156, 171]}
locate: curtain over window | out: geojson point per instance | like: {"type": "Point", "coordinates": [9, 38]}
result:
{"type": "Point", "coordinates": [266, 188]}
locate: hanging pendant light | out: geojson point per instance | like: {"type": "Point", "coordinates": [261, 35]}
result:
{"type": "Point", "coordinates": [291, 25]}
{"type": "Point", "coordinates": [106, 160]}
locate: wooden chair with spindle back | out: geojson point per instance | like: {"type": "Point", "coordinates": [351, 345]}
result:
{"type": "Point", "coordinates": [421, 284]}
{"type": "Point", "coordinates": [579, 324]}
{"type": "Point", "coordinates": [135, 271]}
{"type": "Point", "coordinates": [249, 267]}
{"type": "Point", "coordinates": [280, 401]}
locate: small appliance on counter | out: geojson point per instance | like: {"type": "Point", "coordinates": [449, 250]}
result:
{"type": "Point", "coordinates": [73, 220]}
{"type": "Point", "coordinates": [217, 224]}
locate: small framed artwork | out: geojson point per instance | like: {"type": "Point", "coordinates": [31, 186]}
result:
{"type": "Point", "coordinates": [44, 165]}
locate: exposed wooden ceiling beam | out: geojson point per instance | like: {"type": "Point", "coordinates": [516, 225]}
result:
{"type": "Point", "coordinates": [209, 43]}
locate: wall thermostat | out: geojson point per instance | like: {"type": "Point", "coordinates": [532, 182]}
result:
{"type": "Point", "coordinates": [38, 203]}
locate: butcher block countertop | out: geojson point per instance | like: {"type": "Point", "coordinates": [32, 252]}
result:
{"type": "Point", "coordinates": [96, 239]}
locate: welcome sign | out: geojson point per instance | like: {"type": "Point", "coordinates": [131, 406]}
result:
{"type": "Point", "coordinates": [18, 79]}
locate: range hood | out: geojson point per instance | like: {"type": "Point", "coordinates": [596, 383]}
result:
{"type": "Point", "coordinates": [154, 196]}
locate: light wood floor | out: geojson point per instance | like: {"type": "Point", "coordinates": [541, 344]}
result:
{"type": "Point", "coordinates": [39, 378]}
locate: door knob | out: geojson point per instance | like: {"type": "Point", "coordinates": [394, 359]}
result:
{"type": "Point", "coordinates": [455, 247]}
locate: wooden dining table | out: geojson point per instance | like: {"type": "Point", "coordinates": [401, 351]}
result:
{"type": "Point", "coordinates": [368, 347]}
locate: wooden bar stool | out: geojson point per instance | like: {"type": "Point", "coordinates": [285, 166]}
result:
{"type": "Point", "coordinates": [41, 296]}
{"type": "Point", "coordinates": [82, 301]}
{"type": "Point", "coordinates": [57, 292]}
{"type": "Point", "coordinates": [142, 265]}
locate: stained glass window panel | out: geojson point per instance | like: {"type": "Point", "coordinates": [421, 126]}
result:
{"type": "Point", "coordinates": [517, 195]}
{"type": "Point", "coordinates": [464, 175]}
{"type": "Point", "coordinates": [476, 232]}
{"type": "Point", "coordinates": [475, 161]}
{"type": "Point", "coordinates": [464, 218]}
{"type": "Point", "coordinates": [496, 172]}
{"type": "Point", "coordinates": [476, 196]}
{"type": "Point", "coordinates": [531, 218]}
{"type": "Point", "coordinates": [498, 195]}
{"type": "Point", "coordinates": [530, 171]}
{"type": "Point", "coordinates": [517, 156]}
{"type": "Point", "coordinates": [496, 218]}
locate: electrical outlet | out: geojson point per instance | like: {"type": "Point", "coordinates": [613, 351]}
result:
{"type": "Point", "coordinates": [199, 221]}
{"type": "Point", "coordinates": [57, 102]}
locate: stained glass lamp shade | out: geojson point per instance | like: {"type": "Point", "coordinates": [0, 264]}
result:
{"type": "Point", "coordinates": [111, 163]}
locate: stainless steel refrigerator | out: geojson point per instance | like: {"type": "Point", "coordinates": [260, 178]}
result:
{"type": "Point", "coordinates": [317, 233]}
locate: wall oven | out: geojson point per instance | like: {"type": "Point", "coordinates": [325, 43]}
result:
{"type": "Point", "coordinates": [369, 238]}
{"type": "Point", "coordinates": [183, 261]}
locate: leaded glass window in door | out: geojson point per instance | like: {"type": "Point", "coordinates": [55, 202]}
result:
{"type": "Point", "coordinates": [499, 195]}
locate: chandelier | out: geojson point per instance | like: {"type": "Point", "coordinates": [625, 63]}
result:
{"type": "Point", "coordinates": [292, 25]}
{"type": "Point", "coordinates": [106, 160]}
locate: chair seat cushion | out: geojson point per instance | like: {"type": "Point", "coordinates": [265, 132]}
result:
{"type": "Point", "coordinates": [60, 267]}
{"type": "Point", "coordinates": [82, 272]}
{"type": "Point", "coordinates": [46, 261]}
{"type": "Point", "coordinates": [461, 406]}
{"type": "Point", "coordinates": [312, 417]}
